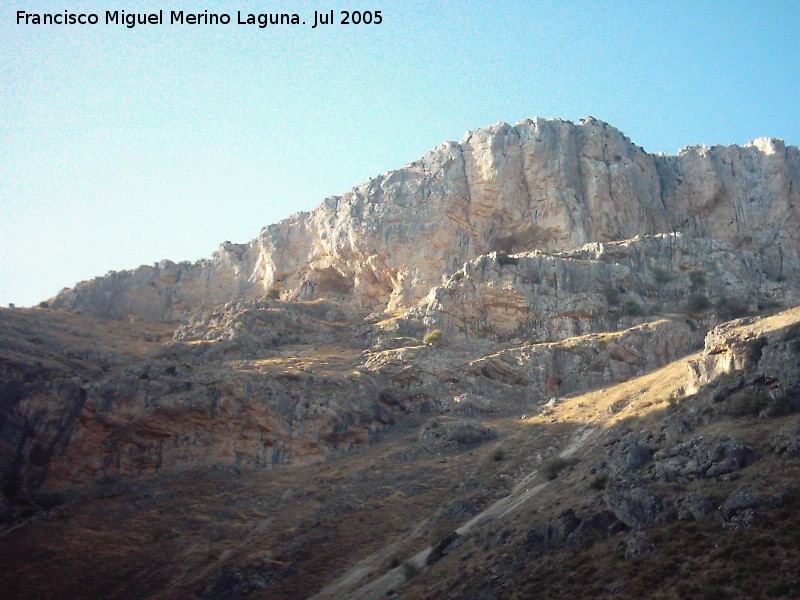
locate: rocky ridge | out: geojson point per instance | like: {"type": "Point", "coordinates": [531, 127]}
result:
{"type": "Point", "coordinates": [550, 185]}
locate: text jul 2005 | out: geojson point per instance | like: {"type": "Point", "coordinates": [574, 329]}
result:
{"type": "Point", "coordinates": [261, 20]}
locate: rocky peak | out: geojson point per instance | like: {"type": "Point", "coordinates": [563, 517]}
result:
{"type": "Point", "coordinates": [541, 184]}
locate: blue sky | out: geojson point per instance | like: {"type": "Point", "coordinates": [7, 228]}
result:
{"type": "Point", "coordinates": [120, 146]}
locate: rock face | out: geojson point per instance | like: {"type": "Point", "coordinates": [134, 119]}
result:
{"type": "Point", "coordinates": [555, 257]}
{"type": "Point", "coordinates": [261, 385]}
{"type": "Point", "coordinates": [538, 185]}
{"type": "Point", "coordinates": [48, 361]}
{"type": "Point", "coordinates": [164, 292]}
{"type": "Point", "coordinates": [737, 354]}
{"type": "Point", "coordinates": [598, 287]}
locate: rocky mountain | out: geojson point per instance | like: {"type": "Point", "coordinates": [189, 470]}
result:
{"type": "Point", "coordinates": [472, 377]}
{"type": "Point", "coordinates": [547, 185]}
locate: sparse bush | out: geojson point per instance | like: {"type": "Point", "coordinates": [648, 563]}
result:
{"type": "Point", "coordinates": [531, 277]}
{"type": "Point", "coordinates": [499, 455]}
{"type": "Point", "coordinates": [632, 308]}
{"type": "Point", "coordinates": [504, 259]}
{"type": "Point", "coordinates": [410, 570]}
{"type": "Point", "coordinates": [505, 244]}
{"type": "Point", "coordinates": [769, 305]}
{"type": "Point", "coordinates": [394, 562]}
{"type": "Point", "coordinates": [434, 338]}
{"type": "Point", "coordinates": [731, 308]}
{"type": "Point", "coordinates": [791, 333]}
{"type": "Point", "coordinates": [611, 295]}
{"type": "Point", "coordinates": [747, 403]}
{"type": "Point", "coordinates": [439, 533]}
{"type": "Point", "coordinates": [239, 325]}
{"type": "Point", "coordinates": [273, 293]}
{"type": "Point", "coordinates": [781, 406]}
{"type": "Point", "coordinates": [553, 467]}
{"type": "Point", "coordinates": [662, 276]}
{"type": "Point", "coordinates": [753, 402]}
{"type": "Point", "coordinates": [599, 482]}
{"type": "Point", "coordinates": [696, 303]}
{"type": "Point", "coordinates": [697, 278]}
{"type": "Point", "coordinates": [43, 305]}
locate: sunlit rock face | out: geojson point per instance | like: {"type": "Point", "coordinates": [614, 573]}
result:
{"type": "Point", "coordinates": [550, 296]}
{"type": "Point", "coordinates": [537, 185]}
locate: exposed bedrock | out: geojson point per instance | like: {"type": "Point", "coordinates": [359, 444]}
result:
{"type": "Point", "coordinates": [540, 184]}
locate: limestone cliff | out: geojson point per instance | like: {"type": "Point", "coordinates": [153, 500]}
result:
{"type": "Point", "coordinates": [538, 185]}
{"type": "Point", "coordinates": [544, 296]}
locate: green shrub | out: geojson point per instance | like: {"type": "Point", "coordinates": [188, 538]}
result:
{"type": "Point", "coordinates": [599, 482]}
{"type": "Point", "coordinates": [769, 305]}
{"type": "Point", "coordinates": [753, 402]}
{"type": "Point", "coordinates": [696, 303]}
{"type": "Point", "coordinates": [553, 467]}
{"type": "Point", "coordinates": [792, 333]}
{"type": "Point", "coordinates": [731, 308]}
{"type": "Point", "coordinates": [505, 259]}
{"type": "Point", "coordinates": [781, 406]}
{"type": "Point", "coordinates": [273, 293]}
{"type": "Point", "coordinates": [697, 278]}
{"type": "Point", "coordinates": [662, 276]}
{"type": "Point", "coordinates": [498, 455]}
{"type": "Point", "coordinates": [747, 403]}
{"type": "Point", "coordinates": [632, 308]}
{"type": "Point", "coordinates": [434, 338]}
{"type": "Point", "coordinates": [439, 533]}
{"type": "Point", "coordinates": [611, 295]}
{"type": "Point", "coordinates": [531, 277]}
{"type": "Point", "coordinates": [410, 570]}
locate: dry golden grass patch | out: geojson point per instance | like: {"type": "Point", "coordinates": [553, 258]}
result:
{"type": "Point", "coordinates": [328, 359]}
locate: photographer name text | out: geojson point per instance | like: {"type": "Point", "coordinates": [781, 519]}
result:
{"type": "Point", "coordinates": [180, 17]}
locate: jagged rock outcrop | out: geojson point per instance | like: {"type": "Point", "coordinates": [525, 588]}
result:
{"type": "Point", "coordinates": [586, 362]}
{"type": "Point", "coordinates": [165, 291]}
{"type": "Point", "coordinates": [468, 378]}
{"type": "Point", "coordinates": [443, 434]}
{"type": "Point", "coordinates": [540, 184]}
{"type": "Point", "coordinates": [598, 287]}
{"type": "Point", "coordinates": [749, 368]}
{"type": "Point", "coordinates": [738, 354]}
{"type": "Point", "coordinates": [564, 242]}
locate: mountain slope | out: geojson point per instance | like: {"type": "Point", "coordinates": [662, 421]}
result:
{"type": "Point", "coordinates": [450, 382]}
{"type": "Point", "coordinates": [657, 493]}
